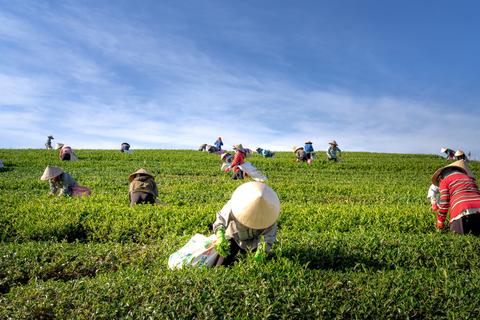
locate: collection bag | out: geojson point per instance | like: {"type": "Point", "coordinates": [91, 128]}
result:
{"type": "Point", "coordinates": [199, 251]}
{"type": "Point", "coordinates": [252, 171]}
{"type": "Point", "coordinates": [79, 191]}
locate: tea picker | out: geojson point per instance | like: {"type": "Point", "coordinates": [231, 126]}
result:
{"type": "Point", "coordinates": [48, 144]}
{"type": "Point", "coordinates": [62, 183]}
{"type": "Point", "coordinates": [207, 148]}
{"type": "Point", "coordinates": [300, 154]}
{"type": "Point", "coordinates": [265, 153]}
{"type": "Point", "coordinates": [218, 144]}
{"type": "Point", "coordinates": [459, 196]}
{"type": "Point", "coordinates": [250, 215]}
{"type": "Point", "coordinates": [238, 159]}
{"type": "Point", "coordinates": [125, 147]}
{"type": "Point", "coordinates": [460, 155]}
{"type": "Point", "coordinates": [66, 153]}
{"type": "Point", "coordinates": [309, 152]}
{"type": "Point", "coordinates": [143, 188]}
{"type": "Point", "coordinates": [448, 152]}
{"type": "Point", "coordinates": [332, 151]}
{"type": "Point", "coordinates": [226, 159]}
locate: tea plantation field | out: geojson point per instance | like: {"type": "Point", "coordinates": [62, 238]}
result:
{"type": "Point", "coordinates": [356, 240]}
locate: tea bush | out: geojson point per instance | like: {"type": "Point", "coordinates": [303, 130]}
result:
{"type": "Point", "coordinates": [356, 240]}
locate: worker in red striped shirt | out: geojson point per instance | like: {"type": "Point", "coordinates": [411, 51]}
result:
{"type": "Point", "coordinates": [459, 194]}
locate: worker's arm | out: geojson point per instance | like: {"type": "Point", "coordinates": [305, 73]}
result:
{"type": "Point", "coordinates": [443, 204]}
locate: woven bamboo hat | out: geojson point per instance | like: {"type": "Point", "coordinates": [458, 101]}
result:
{"type": "Point", "coordinates": [460, 164]}
{"type": "Point", "coordinates": [59, 145]}
{"type": "Point", "coordinates": [255, 205]}
{"type": "Point", "coordinates": [442, 150]}
{"type": "Point", "coordinates": [141, 172]}
{"type": "Point", "coordinates": [238, 147]}
{"type": "Point", "coordinates": [459, 153]}
{"type": "Point", "coordinates": [295, 148]}
{"type": "Point", "coordinates": [224, 155]}
{"type": "Point", "coordinates": [51, 172]}
{"type": "Point", "coordinates": [333, 143]}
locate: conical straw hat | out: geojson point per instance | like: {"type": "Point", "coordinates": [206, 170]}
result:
{"type": "Point", "coordinates": [140, 172]}
{"type": "Point", "coordinates": [295, 148]}
{"type": "Point", "coordinates": [255, 205]}
{"type": "Point", "coordinates": [459, 153]}
{"type": "Point", "coordinates": [334, 143]}
{"type": "Point", "coordinates": [51, 172]}
{"type": "Point", "coordinates": [59, 145]}
{"type": "Point", "coordinates": [224, 155]}
{"type": "Point", "coordinates": [442, 150]}
{"type": "Point", "coordinates": [460, 164]}
{"type": "Point", "coordinates": [238, 147]}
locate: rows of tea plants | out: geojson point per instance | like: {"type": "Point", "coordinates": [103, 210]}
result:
{"type": "Point", "coordinates": [356, 240]}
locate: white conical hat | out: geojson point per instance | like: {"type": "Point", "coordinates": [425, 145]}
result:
{"type": "Point", "coordinates": [238, 147]}
{"type": "Point", "coordinates": [255, 205]}
{"type": "Point", "coordinates": [59, 145]}
{"type": "Point", "coordinates": [460, 164]}
{"type": "Point", "coordinates": [295, 148]}
{"type": "Point", "coordinates": [459, 153]}
{"type": "Point", "coordinates": [442, 150]}
{"type": "Point", "coordinates": [224, 155]}
{"type": "Point", "coordinates": [51, 172]}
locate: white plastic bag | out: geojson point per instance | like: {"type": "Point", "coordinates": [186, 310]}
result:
{"type": "Point", "coordinates": [433, 193]}
{"type": "Point", "coordinates": [253, 172]}
{"type": "Point", "coordinates": [199, 251]}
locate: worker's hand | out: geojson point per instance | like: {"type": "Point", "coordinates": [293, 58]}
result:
{"type": "Point", "coordinates": [260, 254]}
{"type": "Point", "coordinates": [223, 245]}
{"type": "Point", "coordinates": [439, 225]}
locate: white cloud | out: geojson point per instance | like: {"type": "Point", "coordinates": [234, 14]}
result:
{"type": "Point", "coordinates": [84, 91]}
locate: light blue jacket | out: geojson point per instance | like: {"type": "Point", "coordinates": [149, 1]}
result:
{"type": "Point", "coordinates": [218, 144]}
{"type": "Point", "coordinates": [332, 152]}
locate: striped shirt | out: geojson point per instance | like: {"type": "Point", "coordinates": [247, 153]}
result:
{"type": "Point", "coordinates": [458, 193]}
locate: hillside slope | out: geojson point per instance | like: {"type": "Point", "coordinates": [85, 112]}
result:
{"type": "Point", "coordinates": [356, 240]}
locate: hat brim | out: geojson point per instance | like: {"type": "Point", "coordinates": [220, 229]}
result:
{"type": "Point", "coordinates": [51, 173]}
{"type": "Point", "coordinates": [460, 164]}
{"type": "Point", "coordinates": [133, 175]}
{"type": "Point", "coordinates": [255, 205]}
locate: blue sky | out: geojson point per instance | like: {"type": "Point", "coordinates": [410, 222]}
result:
{"type": "Point", "coordinates": [382, 76]}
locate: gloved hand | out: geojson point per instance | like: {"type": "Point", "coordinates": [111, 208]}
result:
{"type": "Point", "coordinates": [260, 254]}
{"type": "Point", "coordinates": [222, 246]}
{"type": "Point", "coordinates": [439, 225]}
